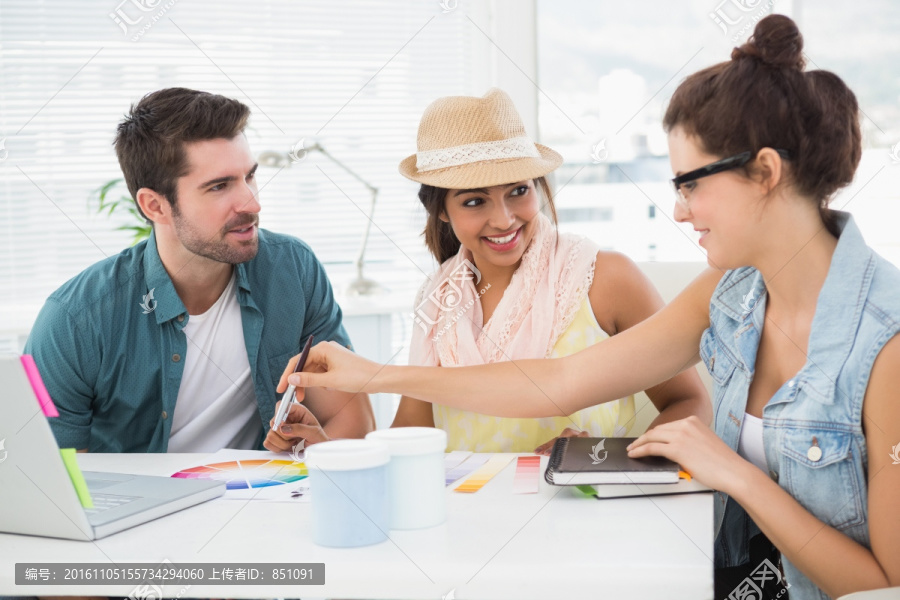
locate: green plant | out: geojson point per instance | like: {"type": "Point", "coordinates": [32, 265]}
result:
{"type": "Point", "coordinates": [141, 229]}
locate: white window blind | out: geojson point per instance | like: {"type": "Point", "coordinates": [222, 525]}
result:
{"type": "Point", "coordinates": [353, 75]}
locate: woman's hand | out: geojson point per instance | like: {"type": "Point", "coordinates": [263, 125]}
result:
{"type": "Point", "coordinates": [547, 447]}
{"type": "Point", "coordinates": [695, 447]}
{"type": "Point", "coordinates": [331, 366]}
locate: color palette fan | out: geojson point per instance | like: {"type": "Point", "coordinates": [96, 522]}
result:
{"type": "Point", "coordinates": [246, 474]}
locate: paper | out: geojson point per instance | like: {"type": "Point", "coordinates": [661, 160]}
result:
{"type": "Point", "coordinates": [455, 458]}
{"type": "Point", "coordinates": [37, 384]}
{"type": "Point", "coordinates": [467, 466]}
{"type": "Point", "coordinates": [289, 492]}
{"type": "Point", "coordinates": [528, 472]}
{"type": "Point", "coordinates": [482, 475]}
{"type": "Point", "coordinates": [633, 490]}
{"type": "Point", "coordinates": [81, 488]}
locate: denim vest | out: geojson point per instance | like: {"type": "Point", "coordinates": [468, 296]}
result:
{"type": "Point", "coordinates": [812, 427]}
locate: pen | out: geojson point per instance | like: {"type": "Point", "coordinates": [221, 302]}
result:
{"type": "Point", "coordinates": [287, 400]}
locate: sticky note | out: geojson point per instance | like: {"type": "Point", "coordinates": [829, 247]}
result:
{"type": "Point", "coordinates": [81, 488]}
{"type": "Point", "coordinates": [587, 490]}
{"type": "Point", "coordinates": [37, 384]}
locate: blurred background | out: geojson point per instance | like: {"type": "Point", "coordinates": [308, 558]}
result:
{"type": "Point", "coordinates": [591, 80]}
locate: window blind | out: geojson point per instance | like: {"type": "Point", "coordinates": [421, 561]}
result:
{"type": "Point", "coordinates": [354, 76]}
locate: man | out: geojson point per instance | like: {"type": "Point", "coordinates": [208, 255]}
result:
{"type": "Point", "coordinates": [177, 344]}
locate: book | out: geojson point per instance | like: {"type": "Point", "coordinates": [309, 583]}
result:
{"type": "Point", "coordinates": [610, 491]}
{"type": "Point", "coordinates": [592, 461]}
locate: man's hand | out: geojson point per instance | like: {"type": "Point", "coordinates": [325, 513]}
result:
{"type": "Point", "coordinates": [300, 425]}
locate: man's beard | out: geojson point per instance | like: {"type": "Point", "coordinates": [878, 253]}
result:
{"type": "Point", "coordinates": [217, 248]}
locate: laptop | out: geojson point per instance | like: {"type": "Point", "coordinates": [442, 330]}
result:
{"type": "Point", "coordinates": [38, 496]}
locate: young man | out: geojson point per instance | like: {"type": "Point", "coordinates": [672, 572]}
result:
{"type": "Point", "coordinates": [177, 344]}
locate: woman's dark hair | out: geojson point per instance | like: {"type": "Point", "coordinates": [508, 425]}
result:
{"type": "Point", "coordinates": [439, 236]}
{"type": "Point", "coordinates": [763, 98]}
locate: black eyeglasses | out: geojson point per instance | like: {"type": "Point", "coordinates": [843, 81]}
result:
{"type": "Point", "coordinates": [726, 164]}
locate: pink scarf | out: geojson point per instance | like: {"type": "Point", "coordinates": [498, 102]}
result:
{"type": "Point", "coordinates": [543, 297]}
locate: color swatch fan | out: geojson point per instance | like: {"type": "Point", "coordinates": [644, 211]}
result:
{"type": "Point", "coordinates": [248, 474]}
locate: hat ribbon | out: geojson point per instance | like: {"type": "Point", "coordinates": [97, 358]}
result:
{"type": "Point", "coordinates": [517, 147]}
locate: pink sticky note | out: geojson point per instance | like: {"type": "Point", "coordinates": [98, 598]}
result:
{"type": "Point", "coordinates": [37, 384]}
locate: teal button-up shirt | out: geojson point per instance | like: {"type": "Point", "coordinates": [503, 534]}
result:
{"type": "Point", "coordinates": [112, 356]}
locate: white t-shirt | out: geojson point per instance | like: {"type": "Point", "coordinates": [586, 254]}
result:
{"type": "Point", "coordinates": [750, 445]}
{"type": "Point", "coordinates": [216, 406]}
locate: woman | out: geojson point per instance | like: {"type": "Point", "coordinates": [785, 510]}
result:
{"type": "Point", "coordinates": [510, 286]}
{"type": "Point", "coordinates": [799, 334]}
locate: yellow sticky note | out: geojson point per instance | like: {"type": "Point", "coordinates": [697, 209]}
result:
{"type": "Point", "coordinates": [81, 488]}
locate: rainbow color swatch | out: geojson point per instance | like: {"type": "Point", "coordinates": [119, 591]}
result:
{"type": "Point", "coordinates": [246, 474]}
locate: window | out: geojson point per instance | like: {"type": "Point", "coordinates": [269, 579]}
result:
{"type": "Point", "coordinates": [353, 76]}
{"type": "Point", "coordinates": [607, 71]}
{"type": "Point", "coordinates": [599, 213]}
{"type": "Point", "coordinates": [356, 76]}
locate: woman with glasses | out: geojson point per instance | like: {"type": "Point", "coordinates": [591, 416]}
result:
{"type": "Point", "coordinates": [796, 321]}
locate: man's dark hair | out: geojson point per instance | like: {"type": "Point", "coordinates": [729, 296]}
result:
{"type": "Point", "coordinates": [150, 140]}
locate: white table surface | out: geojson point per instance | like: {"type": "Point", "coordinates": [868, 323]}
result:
{"type": "Point", "coordinates": [494, 544]}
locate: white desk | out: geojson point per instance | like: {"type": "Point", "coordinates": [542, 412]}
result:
{"type": "Point", "coordinates": [494, 544]}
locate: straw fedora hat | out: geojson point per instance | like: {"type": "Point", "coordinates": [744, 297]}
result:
{"type": "Point", "coordinates": [466, 142]}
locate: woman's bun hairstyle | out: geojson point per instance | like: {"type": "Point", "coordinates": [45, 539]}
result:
{"type": "Point", "coordinates": [776, 42]}
{"type": "Point", "coordinates": [763, 98]}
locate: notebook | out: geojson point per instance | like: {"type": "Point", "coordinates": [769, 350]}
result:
{"type": "Point", "coordinates": [591, 461]}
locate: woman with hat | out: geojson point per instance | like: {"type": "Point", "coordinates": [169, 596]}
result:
{"type": "Point", "coordinates": [510, 286]}
{"type": "Point", "coordinates": [797, 322]}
